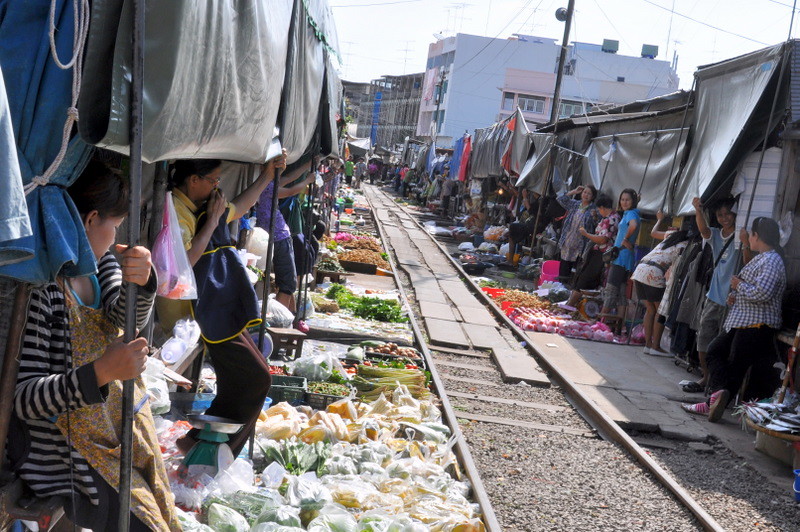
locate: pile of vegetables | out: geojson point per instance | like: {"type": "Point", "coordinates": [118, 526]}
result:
{"type": "Point", "coordinates": [295, 456]}
{"type": "Point", "coordinates": [370, 308]}
{"type": "Point", "coordinates": [389, 348]}
{"type": "Point", "coordinates": [329, 264]}
{"type": "Point", "coordinates": [365, 257]}
{"type": "Point", "coordinates": [372, 382]}
{"type": "Point", "coordinates": [366, 242]}
{"type": "Point", "coordinates": [329, 388]}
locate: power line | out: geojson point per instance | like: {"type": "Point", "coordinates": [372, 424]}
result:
{"type": "Point", "coordinates": [380, 4]}
{"type": "Point", "coordinates": [479, 52]}
{"type": "Point", "coordinates": [706, 23]}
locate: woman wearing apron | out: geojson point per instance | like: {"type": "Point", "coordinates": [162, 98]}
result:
{"type": "Point", "coordinates": [68, 397]}
{"type": "Point", "coordinates": [226, 303]}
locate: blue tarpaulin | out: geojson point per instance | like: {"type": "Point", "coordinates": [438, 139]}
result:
{"type": "Point", "coordinates": [39, 94]}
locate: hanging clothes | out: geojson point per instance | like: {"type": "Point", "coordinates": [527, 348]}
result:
{"type": "Point", "coordinates": [14, 220]}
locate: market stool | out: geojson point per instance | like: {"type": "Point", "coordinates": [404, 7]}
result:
{"type": "Point", "coordinates": [291, 340]}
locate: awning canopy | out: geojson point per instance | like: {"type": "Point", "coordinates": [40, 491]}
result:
{"type": "Point", "coordinates": [219, 101]}
{"type": "Point", "coordinates": [641, 161]}
{"type": "Point", "coordinates": [731, 112]}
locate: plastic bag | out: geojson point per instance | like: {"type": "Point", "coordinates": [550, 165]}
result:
{"type": "Point", "coordinates": [466, 246]}
{"type": "Point", "coordinates": [175, 275]}
{"type": "Point", "coordinates": [307, 310]}
{"type": "Point", "coordinates": [282, 515]}
{"type": "Point", "coordinates": [156, 384]}
{"type": "Point", "coordinates": [224, 519]}
{"type": "Point", "coordinates": [274, 527]}
{"type": "Point", "coordinates": [189, 523]}
{"type": "Point", "coordinates": [257, 243]}
{"type": "Point", "coordinates": [317, 367]}
{"type": "Point", "coordinates": [307, 492]}
{"type": "Point", "coordinates": [238, 477]}
{"type": "Point", "coordinates": [279, 315]}
{"type": "Point", "coordinates": [333, 518]}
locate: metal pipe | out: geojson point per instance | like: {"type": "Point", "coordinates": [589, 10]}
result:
{"type": "Point", "coordinates": [262, 330]}
{"type": "Point", "coordinates": [562, 58]}
{"type": "Point", "coordinates": [8, 377]}
{"type": "Point", "coordinates": [134, 211]}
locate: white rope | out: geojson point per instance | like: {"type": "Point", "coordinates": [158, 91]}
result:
{"type": "Point", "coordinates": [80, 32]}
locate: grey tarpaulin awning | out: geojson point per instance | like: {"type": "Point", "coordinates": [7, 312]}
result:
{"type": "Point", "coordinates": [236, 83]}
{"type": "Point", "coordinates": [626, 169]}
{"type": "Point", "coordinates": [204, 101]}
{"type": "Point", "coordinates": [518, 146]}
{"type": "Point", "coordinates": [732, 103]}
{"type": "Point", "coordinates": [534, 173]}
{"type": "Point", "coordinates": [487, 150]}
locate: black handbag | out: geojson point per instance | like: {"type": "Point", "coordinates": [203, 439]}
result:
{"type": "Point", "coordinates": [611, 254]}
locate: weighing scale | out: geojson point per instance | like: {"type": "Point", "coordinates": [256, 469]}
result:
{"type": "Point", "coordinates": [210, 454]}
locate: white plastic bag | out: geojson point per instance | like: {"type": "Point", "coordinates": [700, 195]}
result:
{"type": "Point", "coordinates": [175, 275]}
{"type": "Point", "coordinates": [257, 244]}
{"type": "Point", "coordinates": [466, 246]}
{"type": "Point", "coordinates": [280, 315]}
{"type": "Point", "coordinates": [317, 367]}
{"type": "Point", "coordinates": [156, 384]}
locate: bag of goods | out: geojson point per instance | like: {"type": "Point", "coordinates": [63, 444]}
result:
{"type": "Point", "coordinates": [224, 519]}
{"type": "Point", "coordinates": [281, 515]}
{"type": "Point", "coordinates": [333, 518]}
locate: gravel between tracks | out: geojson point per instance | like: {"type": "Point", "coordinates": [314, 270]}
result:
{"type": "Point", "coordinates": [546, 481]}
{"type": "Point", "coordinates": [729, 489]}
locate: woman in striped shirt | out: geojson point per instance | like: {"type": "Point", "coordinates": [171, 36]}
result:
{"type": "Point", "coordinates": [67, 400]}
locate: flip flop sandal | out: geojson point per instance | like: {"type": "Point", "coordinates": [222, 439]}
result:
{"type": "Point", "coordinates": [693, 387]}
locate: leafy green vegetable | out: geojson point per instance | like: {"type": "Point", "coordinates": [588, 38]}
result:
{"type": "Point", "coordinates": [374, 308]}
{"type": "Point", "coordinates": [296, 456]}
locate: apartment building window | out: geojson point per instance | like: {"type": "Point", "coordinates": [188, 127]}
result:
{"type": "Point", "coordinates": [569, 108]}
{"type": "Point", "coordinates": [508, 101]}
{"type": "Point", "coordinates": [532, 104]}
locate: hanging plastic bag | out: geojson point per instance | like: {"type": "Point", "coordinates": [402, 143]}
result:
{"type": "Point", "coordinates": [156, 384]}
{"type": "Point", "coordinates": [278, 314]}
{"type": "Point", "coordinates": [175, 275]}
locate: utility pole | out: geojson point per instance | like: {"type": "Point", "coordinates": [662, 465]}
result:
{"type": "Point", "coordinates": [562, 58]}
{"type": "Point", "coordinates": [439, 96]}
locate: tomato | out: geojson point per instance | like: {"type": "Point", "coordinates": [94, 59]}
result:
{"type": "Point", "coordinates": [411, 366]}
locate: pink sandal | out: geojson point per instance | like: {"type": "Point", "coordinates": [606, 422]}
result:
{"type": "Point", "coordinates": [704, 408]}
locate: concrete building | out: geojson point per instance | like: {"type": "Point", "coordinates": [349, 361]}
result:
{"type": "Point", "coordinates": [389, 114]}
{"type": "Point", "coordinates": [354, 95]}
{"type": "Point", "coordinates": [476, 81]}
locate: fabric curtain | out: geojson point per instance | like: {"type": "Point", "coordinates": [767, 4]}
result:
{"type": "Point", "coordinates": [39, 94]}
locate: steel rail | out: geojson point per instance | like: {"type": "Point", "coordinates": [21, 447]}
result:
{"type": "Point", "coordinates": [461, 447]}
{"type": "Point", "coordinates": [605, 426]}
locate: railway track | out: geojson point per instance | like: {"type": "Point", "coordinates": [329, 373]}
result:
{"type": "Point", "coordinates": [541, 454]}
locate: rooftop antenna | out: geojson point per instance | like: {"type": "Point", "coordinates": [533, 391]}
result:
{"type": "Point", "coordinates": [405, 55]}
{"type": "Point", "coordinates": [669, 31]}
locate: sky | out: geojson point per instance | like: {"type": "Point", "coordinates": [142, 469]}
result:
{"type": "Point", "coordinates": [391, 37]}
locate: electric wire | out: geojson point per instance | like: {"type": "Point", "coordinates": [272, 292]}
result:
{"type": "Point", "coordinates": [705, 23]}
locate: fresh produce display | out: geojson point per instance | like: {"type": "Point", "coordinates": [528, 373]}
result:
{"type": "Point", "coordinates": [296, 456]}
{"type": "Point", "coordinates": [367, 243]}
{"type": "Point", "coordinates": [321, 304]}
{"type": "Point", "coordinates": [371, 308]}
{"type": "Point", "coordinates": [277, 370]}
{"type": "Point", "coordinates": [373, 381]}
{"type": "Point", "coordinates": [390, 349]}
{"type": "Point", "coordinates": [519, 298]}
{"type": "Point", "coordinates": [329, 388]}
{"type": "Point", "coordinates": [365, 257]}
{"type": "Point", "coordinates": [329, 264]}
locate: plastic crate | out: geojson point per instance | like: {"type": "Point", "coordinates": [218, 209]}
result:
{"type": "Point", "coordinates": [287, 389]}
{"type": "Point", "coordinates": [320, 401]}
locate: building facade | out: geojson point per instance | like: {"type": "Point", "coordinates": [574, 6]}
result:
{"type": "Point", "coordinates": [472, 81]}
{"type": "Point", "coordinates": [354, 95]}
{"type": "Point", "coordinates": [389, 114]}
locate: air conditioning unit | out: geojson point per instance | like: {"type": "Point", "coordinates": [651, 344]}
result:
{"type": "Point", "coordinates": [650, 51]}
{"type": "Point", "coordinates": [610, 46]}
